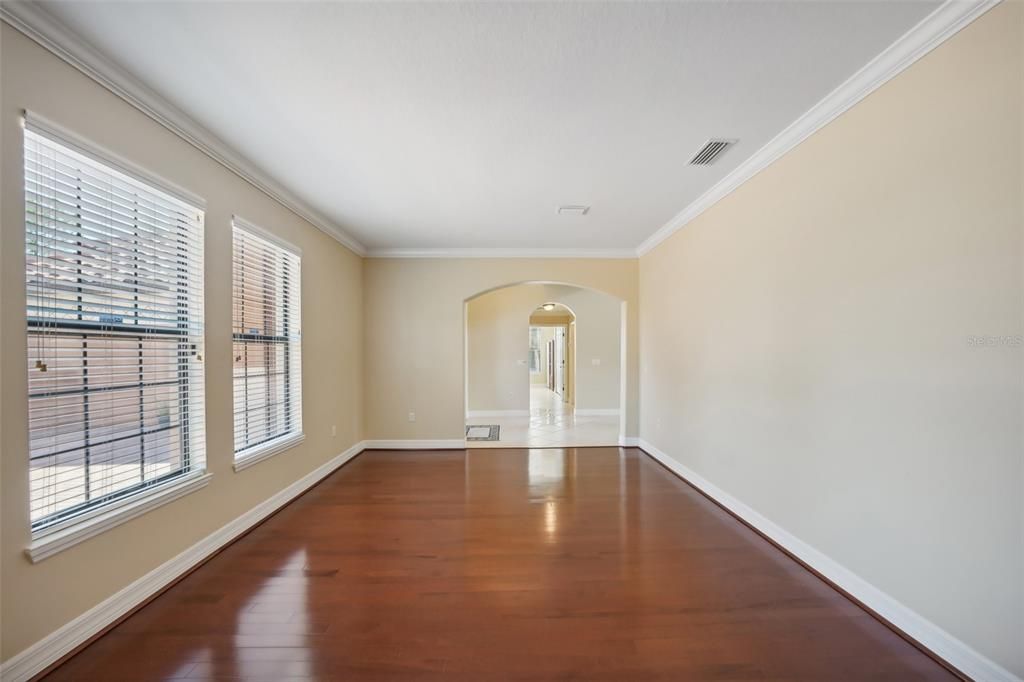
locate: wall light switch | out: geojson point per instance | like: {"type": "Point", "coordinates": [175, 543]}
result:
{"type": "Point", "coordinates": [595, 361]}
{"type": "Point", "coordinates": [412, 416]}
{"type": "Point", "coordinates": [334, 431]}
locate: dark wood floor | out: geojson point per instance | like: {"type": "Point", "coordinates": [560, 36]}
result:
{"type": "Point", "coordinates": [575, 564]}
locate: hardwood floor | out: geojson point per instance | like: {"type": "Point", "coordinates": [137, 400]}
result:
{"type": "Point", "coordinates": [575, 564]}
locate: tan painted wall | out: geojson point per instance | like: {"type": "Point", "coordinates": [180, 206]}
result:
{"type": "Point", "coordinates": [414, 332]}
{"type": "Point", "coordinates": [806, 343]}
{"type": "Point", "coordinates": [556, 317]}
{"type": "Point", "coordinates": [498, 335]}
{"type": "Point", "coordinates": [39, 598]}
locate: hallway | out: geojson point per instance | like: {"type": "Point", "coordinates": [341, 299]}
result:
{"type": "Point", "coordinates": [551, 423]}
{"type": "Point", "coordinates": [469, 565]}
{"type": "Point", "coordinates": [546, 403]}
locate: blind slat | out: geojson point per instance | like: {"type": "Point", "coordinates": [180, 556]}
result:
{"type": "Point", "coordinates": [267, 331]}
{"type": "Point", "coordinates": [114, 301]}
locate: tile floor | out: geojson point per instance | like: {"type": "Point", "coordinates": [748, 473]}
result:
{"type": "Point", "coordinates": [551, 423]}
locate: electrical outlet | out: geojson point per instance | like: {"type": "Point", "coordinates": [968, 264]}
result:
{"type": "Point", "coordinates": [334, 430]}
{"type": "Point", "coordinates": [412, 416]}
{"type": "Point", "coordinates": [595, 361]}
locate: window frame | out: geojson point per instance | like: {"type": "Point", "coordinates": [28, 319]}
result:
{"type": "Point", "coordinates": [67, 527]}
{"type": "Point", "coordinates": [534, 350]}
{"type": "Point", "coordinates": [255, 453]}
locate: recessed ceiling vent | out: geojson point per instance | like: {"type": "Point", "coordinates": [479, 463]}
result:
{"type": "Point", "coordinates": [573, 210]}
{"type": "Point", "coordinates": [710, 152]}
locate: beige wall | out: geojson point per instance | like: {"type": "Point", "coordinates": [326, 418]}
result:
{"type": "Point", "coordinates": [39, 598]}
{"type": "Point", "coordinates": [555, 317]}
{"type": "Point", "coordinates": [806, 343]}
{"type": "Point", "coordinates": [498, 325]}
{"type": "Point", "coordinates": [415, 335]}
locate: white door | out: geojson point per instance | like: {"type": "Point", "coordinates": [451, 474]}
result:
{"type": "Point", "coordinates": [558, 361]}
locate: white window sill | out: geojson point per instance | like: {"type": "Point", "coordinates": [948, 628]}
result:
{"type": "Point", "coordinates": [258, 454]}
{"type": "Point", "coordinates": [64, 536]}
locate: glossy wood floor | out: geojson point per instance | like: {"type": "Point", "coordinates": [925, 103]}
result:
{"type": "Point", "coordinates": [588, 564]}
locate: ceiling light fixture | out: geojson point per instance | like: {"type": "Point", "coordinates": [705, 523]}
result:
{"type": "Point", "coordinates": [548, 307]}
{"type": "Point", "coordinates": [573, 210]}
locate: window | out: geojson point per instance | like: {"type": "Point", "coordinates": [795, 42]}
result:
{"type": "Point", "coordinates": [114, 312]}
{"type": "Point", "coordinates": [267, 342]}
{"type": "Point", "coordinates": [535, 344]}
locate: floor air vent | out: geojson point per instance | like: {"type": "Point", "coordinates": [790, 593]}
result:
{"type": "Point", "coordinates": [710, 152]}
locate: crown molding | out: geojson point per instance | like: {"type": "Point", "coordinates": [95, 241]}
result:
{"type": "Point", "coordinates": [30, 19]}
{"type": "Point", "coordinates": [924, 37]}
{"type": "Point", "coordinates": [502, 253]}
{"type": "Point", "coordinates": [928, 34]}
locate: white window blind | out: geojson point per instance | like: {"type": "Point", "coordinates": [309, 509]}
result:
{"type": "Point", "coordinates": [114, 284]}
{"type": "Point", "coordinates": [267, 341]}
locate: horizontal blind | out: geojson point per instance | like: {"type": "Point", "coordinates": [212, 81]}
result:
{"type": "Point", "coordinates": [267, 341]}
{"type": "Point", "coordinates": [114, 293]}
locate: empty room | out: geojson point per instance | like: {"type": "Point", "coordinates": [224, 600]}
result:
{"type": "Point", "coordinates": [483, 341]}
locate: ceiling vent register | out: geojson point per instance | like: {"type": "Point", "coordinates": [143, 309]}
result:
{"type": "Point", "coordinates": [710, 152]}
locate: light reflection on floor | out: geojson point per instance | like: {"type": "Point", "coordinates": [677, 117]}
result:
{"type": "Point", "coordinates": [551, 423]}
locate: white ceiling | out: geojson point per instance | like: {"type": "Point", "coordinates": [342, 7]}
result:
{"type": "Point", "coordinates": [465, 125]}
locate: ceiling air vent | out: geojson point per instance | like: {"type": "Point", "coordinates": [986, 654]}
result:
{"type": "Point", "coordinates": [710, 152]}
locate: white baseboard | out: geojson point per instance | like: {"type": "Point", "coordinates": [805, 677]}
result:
{"type": "Point", "coordinates": [477, 414]}
{"type": "Point", "coordinates": [629, 442]}
{"type": "Point", "coordinates": [28, 663]}
{"type": "Point", "coordinates": [439, 444]}
{"type": "Point", "coordinates": [938, 641]}
{"type": "Point", "coordinates": [33, 660]}
{"type": "Point", "coordinates": [603, 412]}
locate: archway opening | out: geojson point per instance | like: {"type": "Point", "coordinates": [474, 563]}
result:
{"type": "Point", "coordinates": [544, 367]}
{"type": "Point", "coordinates": [552, 361]}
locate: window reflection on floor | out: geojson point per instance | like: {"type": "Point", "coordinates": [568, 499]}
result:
{"type": "Point", "coordinates": [279, 612]}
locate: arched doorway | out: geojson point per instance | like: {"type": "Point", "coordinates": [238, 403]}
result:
{"type": "Point", "coordinates": [544, 367]}
{"type": "Point", "coordinates": [552, 360]}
